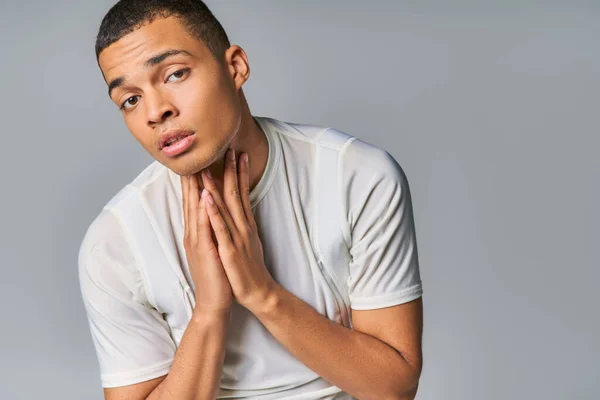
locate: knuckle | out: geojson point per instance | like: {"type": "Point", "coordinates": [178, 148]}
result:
{"type": "Point", "coordinates": [245, 229]}
{"type": "Point", "coordinates": [234, 193]}
{"type": "Point", "coordinates": [238, 240]}
{"type": "Point", "coordinates": [228, 251]}
{"type": "Point", "coordinates": [251, 223]}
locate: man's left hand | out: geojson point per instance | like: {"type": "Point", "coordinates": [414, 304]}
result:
{"type": "Point", "coordinates": [239, 245]}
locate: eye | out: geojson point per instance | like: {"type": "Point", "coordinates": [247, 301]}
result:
{"type": "Point", "coordinates": [128, 102]}
{"type": "Point", "coordinates": [178, 75]}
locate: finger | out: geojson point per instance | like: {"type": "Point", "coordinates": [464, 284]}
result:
{"type": "Point", "coordinates": [184, 190]}
{"type": "Point", "coordinates": [231, 190]}
{"type": "Point", "coordinates": [217, 222]}
{"type": "Point", "coordinates": [210, 184]}
{"type": "Point", "coordinates": [204, 228]}
{"type": "Point", "coordinates": [193, 206]}
{"type": "Point", "coordinates": [200, 184]}
{"type": "Point", "coordinates": [244, 179]}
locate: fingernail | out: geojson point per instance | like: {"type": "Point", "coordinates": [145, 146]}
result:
{"type": "Point", "coordinates": [232, 154]}
{"type": "Point", "coordinates": [204, 191]}
{"type": "Point", "coordinates": [208, 174]}
{"type": "Point", "coordinates": [210, 199]}
{"type": "Point", "coordinates": [245, 158]}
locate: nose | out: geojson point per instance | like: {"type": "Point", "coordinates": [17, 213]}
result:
{"type": "Point", "coordinates": [158, 108]}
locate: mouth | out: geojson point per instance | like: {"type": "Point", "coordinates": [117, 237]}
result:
{"type": "Point", "coordinates": [171, 138]}
{"type": "Point", "coordinates": [178, 145]}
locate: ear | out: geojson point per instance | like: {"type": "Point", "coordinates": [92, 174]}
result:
{"type": "Point", "coordinates": [236, 62]}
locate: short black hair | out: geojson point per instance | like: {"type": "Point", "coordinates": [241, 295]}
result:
{"type": "Point", "coordinates": [129, 15]}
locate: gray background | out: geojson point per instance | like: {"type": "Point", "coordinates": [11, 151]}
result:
{"type": "Point", "coordinates": [490, 107]}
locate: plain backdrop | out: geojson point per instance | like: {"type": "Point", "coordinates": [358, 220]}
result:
{"type": "Point", "coordinates": [491, 108]}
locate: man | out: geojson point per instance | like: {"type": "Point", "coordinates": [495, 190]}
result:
{"type": "Point", "coordinates": [203, 277]}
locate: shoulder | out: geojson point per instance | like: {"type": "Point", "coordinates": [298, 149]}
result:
{"type": "Point", "coordinates": [106, 230]}
{"type": "Point", "coordinates": [354, 153]}
{"type": "Point", "coordinates": [372, 181]}
{"type": "Point", "coordinates": [313, 135]}
{"type": "Point", "coordinates": [356, 156]}
{"type": "Point", "coordinates": [361, 158]}
{"type": "Point", "coordinates": [287, 130]}
{"type": "Point", "coordinates": [152, 173]}
{"type": "Point", "coordinates": [104, 233]}
{"type": "Point", "coordinates": [106, 258]}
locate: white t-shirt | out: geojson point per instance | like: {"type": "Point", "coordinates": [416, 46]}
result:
{"type": "Point", "coordinates": [139, 296]}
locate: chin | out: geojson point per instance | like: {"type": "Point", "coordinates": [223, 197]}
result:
{"type": "Point", "coordinates": [185, 169]}
{"type": "Point", "coordinates": [192, 163]}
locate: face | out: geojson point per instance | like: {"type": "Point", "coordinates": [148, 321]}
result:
{"type": "Point", "coordinates": [185, 89]}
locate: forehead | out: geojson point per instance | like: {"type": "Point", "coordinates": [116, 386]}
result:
{"type": "Point", "coordinates": [129, 53]}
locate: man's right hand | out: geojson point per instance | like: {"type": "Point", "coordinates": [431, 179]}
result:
{"type": "Point", "coordinates": [213, 291]}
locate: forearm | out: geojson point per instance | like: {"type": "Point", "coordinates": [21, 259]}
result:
{"type": "Point", "coordinates": [196, 370]}
{"type": "Point", "coordinates": [359, 364]}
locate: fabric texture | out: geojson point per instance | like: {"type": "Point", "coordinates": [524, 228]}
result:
{"type": "Point", "coordinates": [138, 297]}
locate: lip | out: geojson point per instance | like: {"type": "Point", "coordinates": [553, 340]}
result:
{"type": "Point", "coordinates": [179, 147]}
{"type": "Point", "coordinates": [168, 135]}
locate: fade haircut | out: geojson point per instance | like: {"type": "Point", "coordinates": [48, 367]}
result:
{"type": "Point", "coordinates": [129, 15]}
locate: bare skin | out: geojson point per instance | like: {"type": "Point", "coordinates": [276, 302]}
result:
{"type": "Point", "coordinates": [196, 92]}
{"type": "Point", "coordinates": [380, 358]}
{"type": "Point", "coordinates": [192, 92]}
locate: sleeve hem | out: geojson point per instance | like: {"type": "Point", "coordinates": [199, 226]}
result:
{"type": "Point", "coordinates": [136, 376]}
{"type": "Point", "coordinates": [387, 300]}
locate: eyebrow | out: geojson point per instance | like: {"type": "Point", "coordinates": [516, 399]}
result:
{"type": "Point", "coordinates": [151, 62]}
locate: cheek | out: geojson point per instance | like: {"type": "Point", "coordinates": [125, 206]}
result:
{"type": "Point", "coordinates": [211, 107]}
{"type": "Point", "coordinates": [208, 95]}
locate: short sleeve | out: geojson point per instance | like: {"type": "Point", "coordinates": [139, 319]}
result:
{"type": "Point", "coordinates": [131, 339]}
{"type": "Point", "coordinates": [384, 266]}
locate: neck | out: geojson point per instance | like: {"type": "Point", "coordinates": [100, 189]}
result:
{"type": "Point", "coordinates": [250, 139]}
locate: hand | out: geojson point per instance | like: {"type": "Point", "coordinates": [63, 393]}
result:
{"type": "Point", "coordinates": [239, 246]}
{"type": "Point", "coordinates": [213, 291]}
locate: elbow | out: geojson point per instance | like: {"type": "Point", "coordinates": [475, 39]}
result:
{"type": "Point", "coordinates": [409, 388]}
{"type": "Point", "coordinates": [405, 395]}
{"type": "Point", "coordinates": [408, 396]}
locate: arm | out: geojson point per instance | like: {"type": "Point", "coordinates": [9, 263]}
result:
{"type": "Point", "coordinates": [362, 364]}
{"type": "Point", "coordinates": [196, 369]}
{"type": "Point", "coordinates": [381, 358]}
{"type": "Point", "coordinates": [137, 356]}
{"type": "Point", "coordinates": [382, 363]}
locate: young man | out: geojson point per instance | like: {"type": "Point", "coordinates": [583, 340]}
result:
{"type": "Point", "coordinates": [206, 277]}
